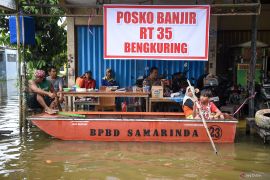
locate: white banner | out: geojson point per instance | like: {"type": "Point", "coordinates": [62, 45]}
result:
{"type": "Point", "coordinates": [156, 32]}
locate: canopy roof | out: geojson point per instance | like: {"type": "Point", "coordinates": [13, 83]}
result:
{"type": "Point", "coordinates": [219, 8]}
{"type": "Point", "coordinates": [248, 44]}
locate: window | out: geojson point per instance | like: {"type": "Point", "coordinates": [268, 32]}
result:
{"type": "Point", "coordinates": [11, 57]}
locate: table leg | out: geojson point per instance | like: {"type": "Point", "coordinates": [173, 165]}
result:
{"type": "Point", "coordinates": [150, 105]}
{"type": "Point", "coordinates": [146, 104]}
{"type": "Point", "coordinates": [71, 103]}
{"type": "Point", "coordinates": [66, 103]}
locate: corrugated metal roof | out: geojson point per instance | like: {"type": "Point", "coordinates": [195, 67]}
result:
{"type": "Point", "coordinates": [90, 57]}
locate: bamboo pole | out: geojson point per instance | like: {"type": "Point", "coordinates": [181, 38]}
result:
{"type": "Point", "coordinates": [203, 120]}
{"type": "Point", "coordinates": [252, 65]}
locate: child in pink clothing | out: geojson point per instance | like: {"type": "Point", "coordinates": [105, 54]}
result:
{"type": "Point", "coordinates": [208, 109]}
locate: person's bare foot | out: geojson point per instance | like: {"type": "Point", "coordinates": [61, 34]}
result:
{"type": "Point", "coordinates": [49, 111]}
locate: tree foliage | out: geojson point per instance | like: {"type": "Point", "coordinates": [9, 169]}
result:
{"type": "Point", "coordinates": [50, 38]}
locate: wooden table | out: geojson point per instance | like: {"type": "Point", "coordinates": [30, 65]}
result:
{"type": "Point", "coordinates": [160, 100]}
{"type": "Point", "coordinates": [70, 96]}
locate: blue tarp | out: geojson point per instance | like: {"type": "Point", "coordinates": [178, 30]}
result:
{"type": "Point", "coordinates": [29, 30]}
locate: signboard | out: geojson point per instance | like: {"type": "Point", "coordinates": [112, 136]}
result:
{"type": "Point", "coordinates": [156, 32]}
{"type": "Point", "coordinates": [8, 4]}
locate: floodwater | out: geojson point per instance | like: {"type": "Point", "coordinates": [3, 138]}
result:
{"type": "Point", "coordinates": [35, 155]}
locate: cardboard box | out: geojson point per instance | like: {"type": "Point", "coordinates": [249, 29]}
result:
{"type": "Point", "coordinates": [157, 92]}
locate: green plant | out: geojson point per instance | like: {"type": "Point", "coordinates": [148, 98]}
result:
{"type": "Point", "coordinates": [50, 39]}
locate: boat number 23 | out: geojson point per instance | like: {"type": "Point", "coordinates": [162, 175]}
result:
{"type": "Point", "coordinates": [215, 132]}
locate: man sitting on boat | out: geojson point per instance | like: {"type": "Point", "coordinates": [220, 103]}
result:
{"type": "Point", "coordinates": [57, 82]}
{"type": "Point", "coordinates": [41, 93]}
{"type": "Point", "coordinates": [208, 109]}
{"type": "Point", "coordinates": [108, 80]}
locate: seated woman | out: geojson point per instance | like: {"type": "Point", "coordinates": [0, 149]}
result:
{"type": "Point", "coordinates": [108, 80]}
{"type": "Point", "coordinates": [188, 102]}
{"type": "Point", "coordinates": [207, 108]}
{"type": "Point", "coordinates": [89, 82]}
{"type": "Point", "coordinates": [41, 93]}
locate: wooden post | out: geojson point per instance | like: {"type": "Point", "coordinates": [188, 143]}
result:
{"type": "Point", "coordinates": [19, 70]}
{"type": "Point", "coordinates": [24, 79]}
{"type": "Point", "coordinates": [252, 64]}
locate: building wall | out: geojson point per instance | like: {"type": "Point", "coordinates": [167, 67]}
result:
{"type": "Point", "coordinates": [224, 31]}
{"type": "Point", "coordinates": [71, 50]}
{"type": "Point", "coordinates": [212, 45]}
{"type": "Point", "coordinates": [72, 22]}
{"type": "Point", "coordinates": [8, 64]}
{"type": "Point", "coordinates": [75, 28]}
{"type": "Point", "coordinates": [227, 55]}
{"type": "Point", "coordinates": [2, 65]}
{"type": "Point", "coordinates": [90, 57]}
{"type": "Point", "coordinates": [11, 67]}
{"type": "Point", "coordinates": [244, 22]}
{"type": "Point", "coordinates": [233, 30]}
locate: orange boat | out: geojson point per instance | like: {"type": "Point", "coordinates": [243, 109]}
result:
{"type": "Point", "coordinates": [134, 126]}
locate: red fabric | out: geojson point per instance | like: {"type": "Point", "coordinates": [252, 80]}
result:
{"type": "Point", "coordinates": [187, 110]}
{"type": "Point", "coordinates": [213, 107]}
{"type": "Point", "coordinates": [207, 109]}
{"type": "Point", "coordinates": [89, 83]}
{"type": "Point", "coordinates": [80, 82]}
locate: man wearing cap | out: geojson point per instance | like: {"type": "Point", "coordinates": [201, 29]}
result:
{"type": "Point", "coordinates": [41, 93]}
{"type": "Point", "coordinates": [108, 79]}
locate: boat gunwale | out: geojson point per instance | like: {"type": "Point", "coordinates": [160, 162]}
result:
{"type": "Point", "coordinates": [127, 119]}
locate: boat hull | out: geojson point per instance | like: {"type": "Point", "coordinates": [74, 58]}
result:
{"type": "Point", "coordinates": [133, 128]}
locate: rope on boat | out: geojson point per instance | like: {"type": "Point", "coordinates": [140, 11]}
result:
{"type": "Point", "coordinates": [240, 107]}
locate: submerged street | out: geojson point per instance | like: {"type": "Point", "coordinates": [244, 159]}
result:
{"type": "Point", "coordinates": [35, 155]}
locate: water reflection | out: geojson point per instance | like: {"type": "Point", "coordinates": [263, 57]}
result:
{"type": "Point", "coordinates": [10, 148]}
{"type": "Point", "coordinates": [9, 106]}
{"type": "Point", "coordinates": [8, 89]}
{"type": "Point", "coordinates": [35, 155]}
{"type": "Point", "coordinates": [3, 93]}
{"type": "Point", "coordinates": [41, 154]}
{"type": "Point", "coordinates": [122, 160]}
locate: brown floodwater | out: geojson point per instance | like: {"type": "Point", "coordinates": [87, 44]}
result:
{"type": "Point", "coordinates": [35, 155]}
